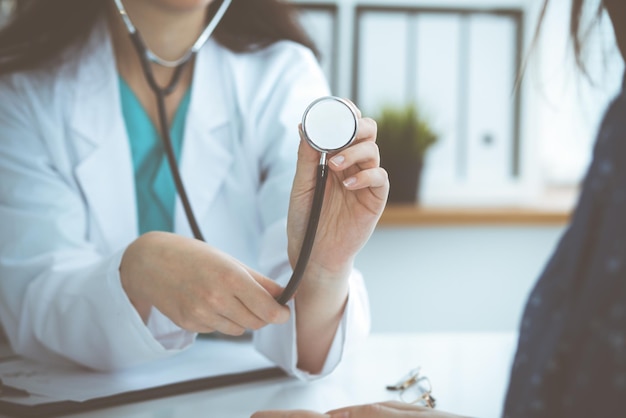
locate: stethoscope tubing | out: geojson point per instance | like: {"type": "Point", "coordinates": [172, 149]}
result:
{"type": "Point", "coordinates": [309, 235]}
{"type": "Point", "coordinates": [160, 94]}
{"type": "Point", "coordinates": [147, 57]}
{"type": "Point", "coordinates": [316, 205]}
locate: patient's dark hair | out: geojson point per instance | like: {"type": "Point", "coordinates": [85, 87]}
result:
{"type": "Point", "coordinates": [617, 12]}
{"type": "Point", "coordinates": [40, 31]}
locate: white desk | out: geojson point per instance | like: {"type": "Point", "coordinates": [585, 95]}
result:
{"type": "Point", "coordinates": [468, 372]}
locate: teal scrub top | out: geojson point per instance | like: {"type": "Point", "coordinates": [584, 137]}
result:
{"type": "Point", "coordinates": [154, 187]}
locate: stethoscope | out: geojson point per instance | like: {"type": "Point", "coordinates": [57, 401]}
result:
{"type": "Point", "coordinates": [329, 124]}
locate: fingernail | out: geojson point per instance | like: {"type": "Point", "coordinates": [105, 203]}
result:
{"type": "Point", "coordinates": [349, 182]}
{"type": "Point", "coordinates": [337, 160]}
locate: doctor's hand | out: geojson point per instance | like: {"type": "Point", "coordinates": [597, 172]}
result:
{"type": "Point", "coordinates": [198, 287]}
{"type": "Point", "coordinates": [376, 410]}
{"type": "Point", "coordinates": [356, 194]}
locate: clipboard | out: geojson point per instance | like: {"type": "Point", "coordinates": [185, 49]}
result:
{"type": "Point", "coordinates": [70, 407]}
{"type": "Point", "coordinates": [38, 405]}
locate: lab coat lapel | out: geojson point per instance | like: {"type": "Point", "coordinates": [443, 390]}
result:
{"type": "Point", "coordinates": [105, 170]}
{"type": "Point", "coordinates": [209, 134]}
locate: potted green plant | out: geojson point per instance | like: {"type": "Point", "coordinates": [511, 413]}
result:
{"type": "Point", "coordinates": [404, 136]}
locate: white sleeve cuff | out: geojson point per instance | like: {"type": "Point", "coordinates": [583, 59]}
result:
{"type": "Point", "coordinates": [170, 335]}
{"type": "Point", "coordinates": [278, 342]}
{"type": "Point", "coordinates": [160, 337]}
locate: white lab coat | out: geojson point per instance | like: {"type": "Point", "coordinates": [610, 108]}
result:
{"type": "Point", "coordinates": [68, 210]}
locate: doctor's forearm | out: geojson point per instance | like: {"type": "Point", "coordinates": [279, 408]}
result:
{"type": "Point", "coordinates": [320, 303]}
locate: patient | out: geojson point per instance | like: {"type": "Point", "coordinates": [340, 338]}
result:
{"type": "Point", "coordinates": [571, 355]}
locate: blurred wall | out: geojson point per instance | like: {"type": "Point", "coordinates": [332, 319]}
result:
{"type": "Point", "coordinates": [459, 60]}
{"type": "Point", "coordinates": [453, 278]}
{"type": "Point", "coordinates": [5, 9]}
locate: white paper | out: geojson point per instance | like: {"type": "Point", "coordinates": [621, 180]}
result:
{"type": "Point", "coordinates": [205, 358]}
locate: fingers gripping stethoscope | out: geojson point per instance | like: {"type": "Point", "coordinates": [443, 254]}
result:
{"type": "Point", "coordinates": [329, 124]}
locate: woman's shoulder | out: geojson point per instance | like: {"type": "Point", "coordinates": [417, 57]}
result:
{"type": "Point", "coordinates": [284, 49]}
{"type": "Point", "coordinates": [47, 80]}
{"type": "Point", "coordinates": [605, 179]}
{"type": "Point", "coordinates": [282, 55]}
{"type": "Point", "coordinates": [42, 94]}
{"type": "Point", "coordinates": [611, 140]}
{"type": "Point", "coordinates": [20, 88]}
{"type": "Point", "coordinates": [275, 73]}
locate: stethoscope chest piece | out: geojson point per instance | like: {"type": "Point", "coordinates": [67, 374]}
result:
{"type": "Point", "coordinates": [330, 124]}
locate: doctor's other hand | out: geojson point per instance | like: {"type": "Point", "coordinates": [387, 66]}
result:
{"type": "Point", "coordinates": [198, 287]}
{"type": "Point", "coordinates": [390, 409]}
{"type": "Point", "coordinates": [356, 194]}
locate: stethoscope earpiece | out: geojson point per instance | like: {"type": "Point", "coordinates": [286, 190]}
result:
{"type": "Point", "coordinates": [330, 124]}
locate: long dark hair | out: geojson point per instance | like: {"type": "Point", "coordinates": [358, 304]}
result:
{"type": "Point", "coordinates": [41, 31]}
{"type": "Point", "coordinates": [617, 12]}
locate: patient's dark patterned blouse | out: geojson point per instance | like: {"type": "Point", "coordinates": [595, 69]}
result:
{"type": "Point", "coordinates": [571, 357]}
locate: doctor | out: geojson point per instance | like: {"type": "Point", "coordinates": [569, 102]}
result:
{"type": "Point", "coordinates": [97, 263]}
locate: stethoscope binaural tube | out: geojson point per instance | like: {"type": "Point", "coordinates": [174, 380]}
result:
{"type": "Point", "coordinates": [329, 124]}
{"type": "Point", "coordinates": [147, 57]}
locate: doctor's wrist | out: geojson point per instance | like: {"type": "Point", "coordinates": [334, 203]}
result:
{"type": "Point", "coordinates": [130, 270]}
{"type": "Point", "coordinates": [321, 276]}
